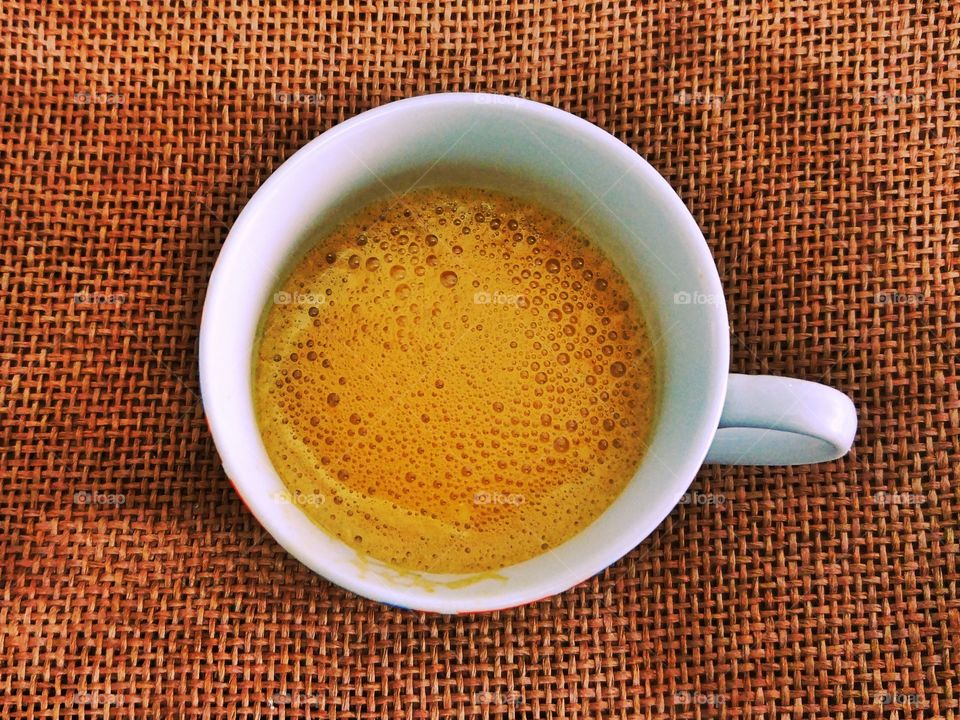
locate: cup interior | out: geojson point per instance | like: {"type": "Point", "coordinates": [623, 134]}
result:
{"type": "Point", "coordinates": [524, 149]}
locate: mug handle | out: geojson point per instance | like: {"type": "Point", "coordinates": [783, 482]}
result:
{"type": "Point", "coordinates": [770, 420]}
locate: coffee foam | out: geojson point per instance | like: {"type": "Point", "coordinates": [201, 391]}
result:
{"type": "Point", "coordinates": [457, 381]}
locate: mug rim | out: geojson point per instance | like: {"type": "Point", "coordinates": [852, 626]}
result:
{"type": "Point", "coordinates": [266, 194]}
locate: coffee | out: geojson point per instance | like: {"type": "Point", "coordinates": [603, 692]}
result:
{"type": "Point", "coordinates": [454, 381]}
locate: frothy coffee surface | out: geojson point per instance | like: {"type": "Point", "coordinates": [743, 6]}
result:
{"type": "Point", "coordinates": [455, 381]}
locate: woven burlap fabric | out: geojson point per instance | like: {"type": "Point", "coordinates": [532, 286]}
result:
{"type": "Point", "coordinates": [815, 143]}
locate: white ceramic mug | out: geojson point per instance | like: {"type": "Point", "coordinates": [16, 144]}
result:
{"type": "Point", "coordinates": [528, 149]}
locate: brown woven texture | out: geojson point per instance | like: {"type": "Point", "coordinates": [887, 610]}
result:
{"type": "Point", "coordinates": [815, 143]}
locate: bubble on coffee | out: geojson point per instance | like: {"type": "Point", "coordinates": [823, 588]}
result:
{"type": "Point", "coordinates": [476, 386]}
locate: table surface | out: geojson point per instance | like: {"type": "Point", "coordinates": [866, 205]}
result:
{"type": "Point", "coordinates": [816, 145]}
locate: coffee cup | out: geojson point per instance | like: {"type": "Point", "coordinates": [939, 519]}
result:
{"type": "Point", "coordinates": [527, 149]}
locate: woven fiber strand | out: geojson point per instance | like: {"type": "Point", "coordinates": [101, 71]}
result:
{"type": "Point", "coordinates": [816, 144]}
